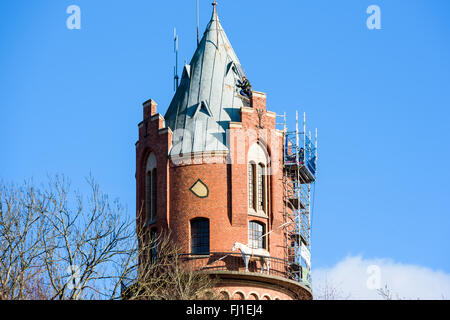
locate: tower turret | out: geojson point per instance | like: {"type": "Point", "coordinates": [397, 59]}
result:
{"type": "Point", "coordinates": [211, 171]}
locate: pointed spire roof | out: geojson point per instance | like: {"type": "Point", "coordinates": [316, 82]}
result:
{"type": "Point", "coordinates": [207, 98]}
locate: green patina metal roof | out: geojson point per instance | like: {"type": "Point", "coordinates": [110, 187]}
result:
{"type": "Point", "coordinates": [206, 99]}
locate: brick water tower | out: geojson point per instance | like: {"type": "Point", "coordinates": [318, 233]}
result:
{"type": "Point", "coordinates": [216, 171]}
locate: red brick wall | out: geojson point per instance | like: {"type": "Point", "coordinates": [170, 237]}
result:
{"type": "Point", "coordinates": [185, 205]}
{"type": "Point", "coordinates": [153, 138]}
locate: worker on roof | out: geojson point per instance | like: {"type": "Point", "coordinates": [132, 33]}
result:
{"type": "Point", "coordinates": [246, 87]}
{"type": "Point", "coordinates": [301, 155]}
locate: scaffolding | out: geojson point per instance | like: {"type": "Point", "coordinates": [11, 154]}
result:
{"type": "Point", "coordinates": [299, 175]}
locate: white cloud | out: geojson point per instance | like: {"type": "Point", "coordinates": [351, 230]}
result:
{"type": "Point", "coordinates": [353, 277]}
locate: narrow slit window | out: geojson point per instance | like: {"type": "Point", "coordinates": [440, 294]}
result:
{"type": "Point", "coordinates": [261, 188]}
{"type": "Point", "coordinates": [251, 186]}
{"type": "Point", "coordinates": [150, 190]}
{"type": "Point", "coordinates": [153, 245]}
{"type": "Point", "coordinates": [153, 196]}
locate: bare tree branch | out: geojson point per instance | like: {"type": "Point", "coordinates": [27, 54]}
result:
{"type": "Point", "coordinates": [56, 244]}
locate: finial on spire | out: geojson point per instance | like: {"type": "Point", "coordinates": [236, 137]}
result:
{"type": "Point", "coordinates": [215, 7]}
{"type": "Point", "coordinates": [198, 33]}
{"type": "Point", "coordinates": [217, 19]}
{"type": "Point", "coordinates": [175, 71]}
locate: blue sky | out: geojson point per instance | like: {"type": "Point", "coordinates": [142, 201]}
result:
{"type": "Point", "coordinates": [70, 102]}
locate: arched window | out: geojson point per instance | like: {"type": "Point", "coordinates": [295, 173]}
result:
{"type": "Point", "coordinates": [253, 296]}
{"type": "Point", "coordinates": [224, 295]}
{"type": "Point", "coordinates": [256, 235]}
{"type": "Point", "coordinates": [153, 196]}
{"type": "Point", "coordinates": [238, 296]}
{"type": "Point", "coordinates": [150, 189]}
{"type": "Point", "coordinates": [153, 245]}
{"type": "Point", "coordinates": [200, 236]}
{"type": "Point", "coordinates": [257, 180]}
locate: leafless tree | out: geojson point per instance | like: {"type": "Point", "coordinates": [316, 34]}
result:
{"type": "Point", "coordinates": [330, 291]}
{"type": "Point", "coordinates": [55, 244]}
{"type": "Point", "coordinates": [385, 293]}
{"type": "Point", "coordinates": [21, 246]}
{"type": "Point", "coordinates": [164, 274]}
